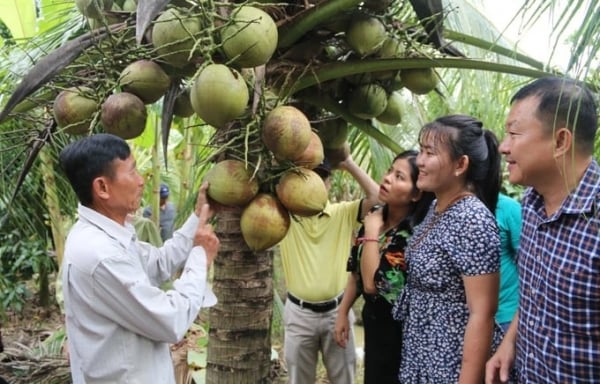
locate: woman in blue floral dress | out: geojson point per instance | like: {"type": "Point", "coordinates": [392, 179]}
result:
{"type": "Point", "coordinates": [448, 304]}
{"type": "Point", "coordinates": [378, 268]}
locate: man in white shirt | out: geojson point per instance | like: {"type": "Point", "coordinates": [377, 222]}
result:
{"type": "Point", "coordinates": [119, 321]}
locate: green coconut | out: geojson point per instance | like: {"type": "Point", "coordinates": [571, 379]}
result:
{"type": "Point", "coordinates": [264, 222]}
{"type": "Point", "coordinates": [146, 80]}
{"type": "Point", "coordinates": [286, 132]}
{"type": "Point", "coordinates": [124, 114]}
{"type": "Point", "coordinates": [302, 192]}
{"type": "Point", "coordinates": [367, 101]}
{"type": "Point", "coordinates": [231, 183]}
{"type": "Point", "coordinates": [93, 8]}
{"type": "Point", "coordinates": [392, 48]}
{"type": "Point", "coordinates": [419, 80]}
{"type": "Point", "coordinates": [174, 35]}
{"type": "Point", "coordinates": [130, 5]}
{"type": "Point", "coordinates": [74, 109]}
{"type": "Point", "coordinates": [219, 94]}
{"type": "Point", "coordinates": [392, 114]}
{"type": "Point", "coordinates": [365, 35]}
{"type": "Point", "coordinates": [250, 38]}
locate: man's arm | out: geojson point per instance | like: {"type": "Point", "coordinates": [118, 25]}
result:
{"type": "Point", "coordinates": [368, 185]}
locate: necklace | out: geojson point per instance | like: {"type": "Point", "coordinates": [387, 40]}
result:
{"type": "Point", "coordinates": [437, 216]}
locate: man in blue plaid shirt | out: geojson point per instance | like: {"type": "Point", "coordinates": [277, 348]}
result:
{"type": "Point", "coordinates": [549, 143]}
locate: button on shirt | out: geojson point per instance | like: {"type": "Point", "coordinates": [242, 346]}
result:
{"type": "Point", "coordinates": [559, 268]}
{"type": "Point", "coordinates": [119, 322]}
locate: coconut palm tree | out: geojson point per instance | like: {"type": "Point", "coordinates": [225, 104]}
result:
{"type": "Point", "coordinates": [314, 67]}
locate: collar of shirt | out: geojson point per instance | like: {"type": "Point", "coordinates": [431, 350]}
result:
{"type": "Point", "coordinates": [582, 200]}
{"type": "Point", "coordinates": [326, 210]}
{"type": "Point", "coordinates": [123, 234]}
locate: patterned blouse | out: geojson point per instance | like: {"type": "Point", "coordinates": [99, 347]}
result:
{"type": "Point", "coordinates": [391, 273]}
{"type": "Point", "coordinates": [461, 241]}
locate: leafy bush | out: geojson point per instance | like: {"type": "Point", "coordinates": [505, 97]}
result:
{"type": "Point", "coordinates": [20, 261]}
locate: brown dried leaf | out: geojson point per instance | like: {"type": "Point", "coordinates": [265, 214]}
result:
{"type": "Point", "coordinates": [45, 69]}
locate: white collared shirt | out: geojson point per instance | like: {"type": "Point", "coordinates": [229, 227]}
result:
{"type": "Point", "coordinates": [119, 321]}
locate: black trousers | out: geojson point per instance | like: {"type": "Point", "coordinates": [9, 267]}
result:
{"type": "Point", "coordinates": [383, 342]}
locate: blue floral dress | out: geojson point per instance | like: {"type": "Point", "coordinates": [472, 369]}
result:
{"type": "Point", "coordinates": [461, 241]}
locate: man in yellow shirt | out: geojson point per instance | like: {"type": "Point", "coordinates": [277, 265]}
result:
{"type": "Point", "coordinates": [314, 254]}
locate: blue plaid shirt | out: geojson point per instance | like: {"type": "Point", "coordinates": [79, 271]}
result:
{"type": "Point", "coordinates": [559, 271]}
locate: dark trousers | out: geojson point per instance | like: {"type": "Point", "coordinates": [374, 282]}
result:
{"type": "Point", "coordinates": [383, 342]}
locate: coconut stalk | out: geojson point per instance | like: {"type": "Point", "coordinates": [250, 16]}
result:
{"type": "Point", "coordinates": [155, 161]}
{"type": "Point", "coordinates": [56, 220]}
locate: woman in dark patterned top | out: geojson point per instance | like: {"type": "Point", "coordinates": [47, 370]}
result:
{"type": "Point", "coordinates": [378, 270]}
{"type": "Point", "coordinates": [448, 305]}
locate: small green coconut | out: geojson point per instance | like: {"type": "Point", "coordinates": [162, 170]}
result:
{"type": "Point", "coordinates": [367, 101]}
{"type": "Point", "coordinates": [146, 80]}
{"type": "Point", "coordinates": [419, 80]}
{"type": "Point", "coordinates": [392, 115]}
{"type": "Point", "coordinates": [366, 35]}
{"type": "Point", "coordinates": [250, 38]}
{"type": "Point", "coordinates": [174, 36]}
{"type": "Point", "coordinates": [219, 94]}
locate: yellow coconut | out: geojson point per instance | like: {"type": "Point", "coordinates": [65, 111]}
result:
{"type": "Point", "coordinates": [302, 192]}
{"type": "Point", "coordinates": [286, 132]}
{"type": "Point", "coordinates": [230, 182]}
{"type": "Point", "coordinates": [264, 222]}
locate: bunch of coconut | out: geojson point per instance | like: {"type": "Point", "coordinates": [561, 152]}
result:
{"type": "Point", "coordinates": [287, 133]}
{"type": "Point", "coordinates": [264, 221]}
{"type": "Point", "coordinates": [373, 95]}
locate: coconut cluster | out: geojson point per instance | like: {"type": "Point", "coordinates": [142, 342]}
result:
{"type": "Point", "coordinates": [218, 94]}
{"type": "Point", "coordinates": [375, 95]}
{"type": "Point", "coordinates": [215, 62]}
{"type": "Point", "coordinates": [288, 135]}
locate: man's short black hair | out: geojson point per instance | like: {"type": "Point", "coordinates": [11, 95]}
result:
{"type": "Point", "coordinates": [90, 157]}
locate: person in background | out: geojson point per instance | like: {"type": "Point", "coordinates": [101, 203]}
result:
{"type": "Point", "coordinates": [166, 217]}
{"type": "Point", "coordinates": [119, 321]}
{"type": "Point", "coordinates": [508, 218]}
{"type": "Point", "coordinates": [549, 145]}
{"type": "Point", "coordinates": [378, 269]}
{"type": "Point", "coordinates": [146, 230]}
{"type": "Point", "coordinates": [314, 253]}
{"type": "Point", "coordinates": [448, 304]}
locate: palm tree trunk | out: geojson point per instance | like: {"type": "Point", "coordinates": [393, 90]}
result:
{"type": "Point", "coordinates": [239, 347]}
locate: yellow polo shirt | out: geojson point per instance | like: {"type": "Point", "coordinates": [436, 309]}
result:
{"type": "Point", "coordinates": [315, 250]}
